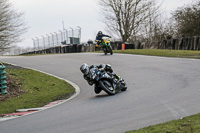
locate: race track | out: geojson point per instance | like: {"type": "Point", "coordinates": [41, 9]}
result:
{"type": "Point", "coordinates": [159, 89]}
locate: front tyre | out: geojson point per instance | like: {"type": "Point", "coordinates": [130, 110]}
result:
{"type": "Point", "coordinates": [111, 52]}
{"type": "Point", "coordinates": [105, 51]}
{"type": "Point", "coordinates": [107, 87]}
{"type": "Point", "coordinates": [97, 90]}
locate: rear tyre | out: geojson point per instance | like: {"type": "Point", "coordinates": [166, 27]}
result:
{"type": "Point", "coordinates": [124, 87]}
{"type": "Point", "coordinates": [107, 87]}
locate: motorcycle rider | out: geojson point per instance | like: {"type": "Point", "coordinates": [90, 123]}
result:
{"type": "Point", "coordinates": [100, 36]}
{"type": "Point", "coordinates": [85, 70]}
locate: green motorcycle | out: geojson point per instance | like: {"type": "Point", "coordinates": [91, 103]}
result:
{"type": "Point", "coordinates": [106, 47]}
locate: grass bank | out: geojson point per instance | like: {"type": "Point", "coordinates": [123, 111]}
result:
{"type": "Point", "coordinates": [163, 53]}
{"type": "Point", "coordinates": [190, 124]}
{"type": "Point", "coordinates": [35, 89]}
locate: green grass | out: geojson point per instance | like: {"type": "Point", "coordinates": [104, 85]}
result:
{"type": "Point", "coordinates": [39, 89]}
{"type": "Point", "coordinates": [163, 53]}
{"type": "Point", "coordinates": [190, 124]}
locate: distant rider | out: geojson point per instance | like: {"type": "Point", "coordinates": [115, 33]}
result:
{"type": "Point", "coordinates": [85, 70]}
{"type": "Point", "coordinates": [100, 36]}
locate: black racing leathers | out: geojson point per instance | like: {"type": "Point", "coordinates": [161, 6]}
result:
{"type": "Point", "coordinates": [101, 67]}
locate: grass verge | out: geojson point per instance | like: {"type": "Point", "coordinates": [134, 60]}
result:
{"type": "Point", "coordinates": [163, 53]}
{"type": "Point", "coordinates": [190, 124]}
{"type": "Point", "coordinates": [38, 89]}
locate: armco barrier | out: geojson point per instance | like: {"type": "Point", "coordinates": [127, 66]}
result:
{"type": "Point", "coordinates": [183, 43]}
{"type": "Point", "coordinates": [78, 48]}
{"type": "Point", "coordinates": [129, 46]}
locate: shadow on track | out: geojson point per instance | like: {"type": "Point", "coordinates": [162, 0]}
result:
{"type": "Point", "coordinates": [102, 54]}
{"type": "Point", "coordinates": [103, 95]}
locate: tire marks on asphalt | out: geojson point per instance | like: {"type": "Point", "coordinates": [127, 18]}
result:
{"type": "Point", "coordinates": [175, 110]}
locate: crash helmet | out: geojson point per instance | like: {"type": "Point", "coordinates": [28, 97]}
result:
{"type": "Point", "coordinates": [100, 33]}
{"type": "Point", "coordinates": [102, 66]}
{"type": "Point", "coordinates": [84, 69]}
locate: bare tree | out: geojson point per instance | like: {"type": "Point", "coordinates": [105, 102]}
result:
{"type": "Point", "coordinates": [126, 18]}
{"type": "Point", "coordinates": [158, 28]}
{"type": "Point", "coordinates": [12, 25]}
{"type": "Point", "coordinates": [153, 26]}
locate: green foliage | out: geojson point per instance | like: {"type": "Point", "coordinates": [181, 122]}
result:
{"type": "Point", "coordinates": [188, 19]}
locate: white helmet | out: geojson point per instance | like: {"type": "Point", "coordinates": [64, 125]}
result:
{"type": "Point", "coordinates": [84, 69]}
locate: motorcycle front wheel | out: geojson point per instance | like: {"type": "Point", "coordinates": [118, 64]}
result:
{"type": "Point", "coordinates": [105, 51]}
{"type": "Point", "coordinates": [111, 52]}
{"type": "Point", "coordinates": [107, 87]}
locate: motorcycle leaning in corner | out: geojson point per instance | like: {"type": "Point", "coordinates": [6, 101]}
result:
{"type": "Point", "coordinates": [106, 81]}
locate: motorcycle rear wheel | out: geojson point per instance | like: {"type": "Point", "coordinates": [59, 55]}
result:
{"type": "Point", "coordinates": [124, 86]}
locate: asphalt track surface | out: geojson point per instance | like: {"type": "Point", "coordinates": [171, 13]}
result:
{"type": "Point", "coordinates": [159, 89]}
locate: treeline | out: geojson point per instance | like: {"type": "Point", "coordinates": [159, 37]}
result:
{"type": "Point", "coordinates": [12, 25]}
{"type": "Point", "coordinates": [132, 20]}
{"type": "Point", "coordinates": [126, 20]}
{"type": "Point", "coordinates": [183, 43]}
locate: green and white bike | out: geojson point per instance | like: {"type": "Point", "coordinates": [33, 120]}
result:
{"type": "Point", "coordinates": [106, 47]}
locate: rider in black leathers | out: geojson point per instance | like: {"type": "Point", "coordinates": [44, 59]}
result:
{"type": "Point", "coordinates": [85, 70]}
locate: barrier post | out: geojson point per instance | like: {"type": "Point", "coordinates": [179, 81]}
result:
{"type": "Point", "coordinates": [123, 46]}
